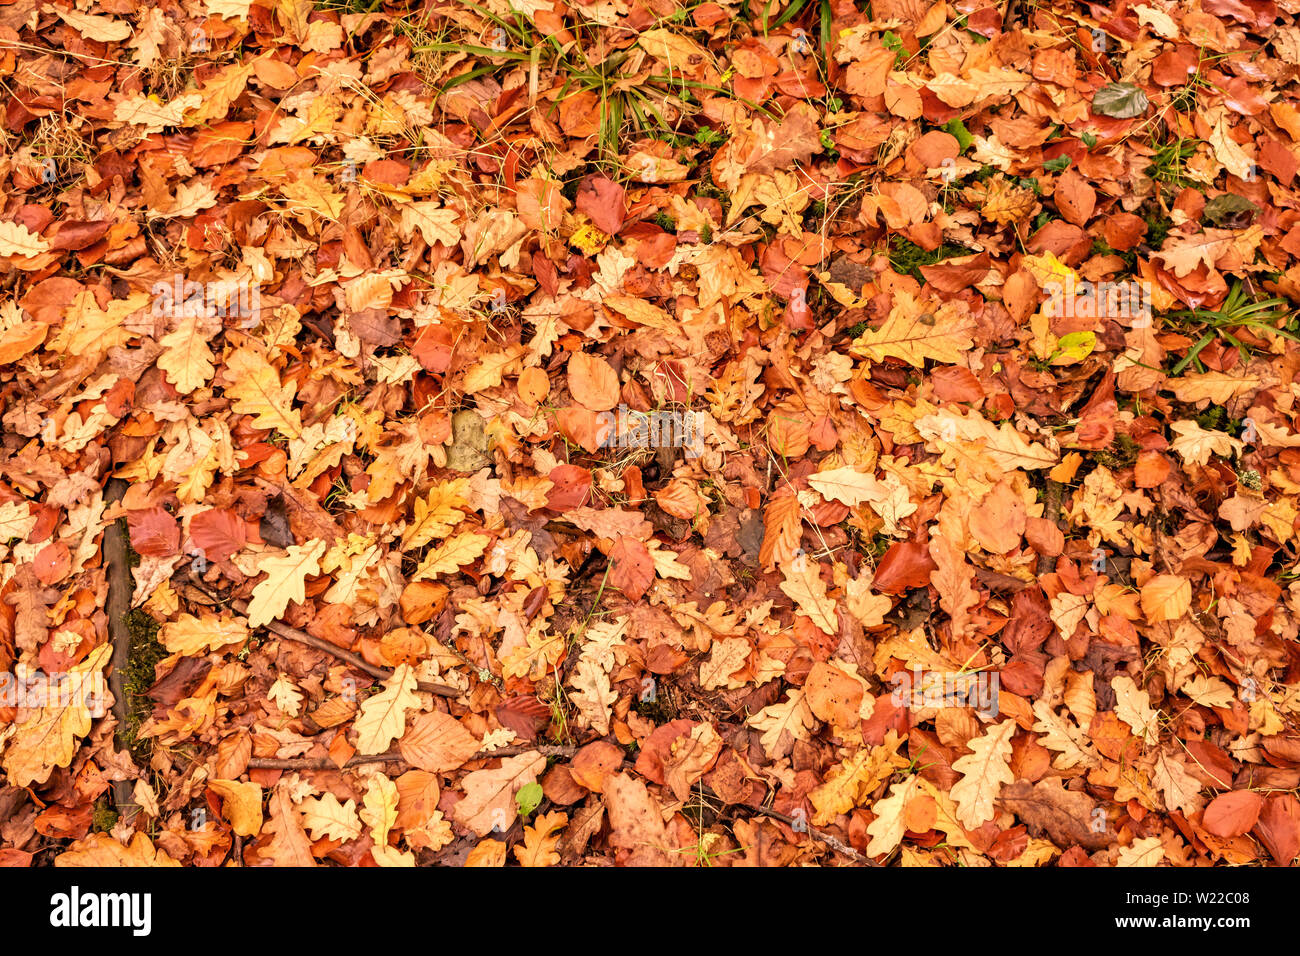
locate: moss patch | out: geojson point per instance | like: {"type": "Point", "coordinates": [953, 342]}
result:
{"type": "Point", "coordinates": [104, 817]}
{"type": "Point", "coordinates": [146, 652]}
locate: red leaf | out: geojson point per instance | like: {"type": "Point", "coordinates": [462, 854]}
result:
{"type": "Point", "coordinates": [154, 532]}
{"type": "Point", "coordinates": [1279, 827]}
{"type": "Point", "coordinates": [632, 570]}
{"type": "Point", "coordinates": [1232, 814]}
{"type": "Point", "coordinates": [77, 233]}
{"type": "Point", "coordinates": [572, 485]}
{"type": "Point", "coordinates": [52, 563]}
{"type": "Point", "coordinates": [603, 202]}
{"type": "Point", "coordinates": [219, 532]}
{"type": "Point", "coordinates": [905, 565]}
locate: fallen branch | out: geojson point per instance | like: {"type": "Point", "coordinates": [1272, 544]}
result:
{"type": "Point", "coordinates": [118, 571]}
{"type": "Point", "coordinates": [325, 763]}
{"type": "Point", "coordinates": [802, 826]}
{"type": "Point", "coordinates": [360, 663]}
{"type": "Point", "coordinates": [381, 673]}
{"type": "Point", "coordinates": [1052, 512]}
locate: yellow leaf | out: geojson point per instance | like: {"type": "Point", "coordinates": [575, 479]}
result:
{"type": "Point", "coordinates": [186, 358]}
{"type": "Point", "coordinates": [808, 590]}
{"type": "Point", "coordinates": [847, 485]}
{"type": "Point", "coordinates": [1064, 737]}
{"type": "Point", "coordinates": [437, 513]}
{"type": "Point", "coordinates": [783, 723]}
{"type": "Point", "coordinates": [866, 605]}
{"type": "Point", "coordinates": [16, 520]}
{"type": "Point", "coordinates": [1133, 706]}
{"type": "Point", "coordinates": [48, 736]}
{"type": "Point", "coordinates": [984, 772]}
{"type": "Point", "coordinates": [326, 818]}
{"type": "Point", "coordinates": [229, 9]}
{"type": "Point", "coordinates": [1216, 387]}
{"type": "Point", "coordinates": [436, 224]}
{"type": "Point", "coordinates": [540, 840]}
{"type": "Point", "coordinates": [383, 716]}
{"type": "Point", "coordinates": [285, 581]}
{"type": "Point", "coordinates": [379, 810]}
{"type": "Point", "coordinates": [1148, 851]}
{"type": "Point", "coordinates": [101, 850]}
{"type": "Point", "coordinates": [101, 29]}
{"type": "Point", "coordinates": [946, 816]}
{"type": "Point", "coordinates": [285, 696]}
{"type": "Point", "coordinates": [1196, 444]}
{"type": "Point", "coordinates": [139, 110]}
{"type": "Point", "coordinates": [913, 333]}
{"type": "Point", "coordinates": [1007, 448]}
{"type": "Point", "coordinates": [241, 805]}
{"type": "Point", "coordinates": [887, 828]}
{"type": "Point", "coordinates": [257, 390]}
{"type": "Point", "coordinates": [87, 329]}
{"type": "Point", "coordinates": [191, 636]}
{"type": "Point", "coordinates": [190, 198]}
{"type": "Point", "coordinates": [592, 695]}
{"type": "Point", "coordinates": [17, 240]}
{"type": "Point", "coordinates": [449, 556]}
{"type": "Point", "coordinates": [852, 781]}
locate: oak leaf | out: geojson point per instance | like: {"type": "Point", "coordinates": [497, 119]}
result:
{"type": "Point", "coordinates": [47, 737]}
{"type": "Point", "coordinates": [540, 839]}
{"type": "Point", "coordinates": [285, 581]}
{"type": "Point", "coordinates": [913, 334]}
{"type": "Point", "coordinates": [984, 772]}
{"type": "Point", "coordinates": [383, 716]}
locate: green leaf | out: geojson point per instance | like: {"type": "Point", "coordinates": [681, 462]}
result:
{"type": "Point", "coordinates": [1120, 100]}
{"type": "Point", "coordinates": [1058, 164]}
{"type": "Point", "coordinates": [1230, 210]}
{"type": "Point", "coordinates": [957, 129]}
{"type": "Point", "coordinates": [528, 797]}
{"type": "Point", "coordinates": [1076, 346]}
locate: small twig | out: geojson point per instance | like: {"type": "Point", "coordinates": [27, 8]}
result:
{"type": "Point", "coordinates": [302, 637]}
{"type": "Point", "coordinates": [834, 842]}
{"type": "Point", "coordinates": [381, 673]}
{"type": "Point", "coordinates": [1052, 512]}
{"type": "Point", "coordinates": [325, 763]}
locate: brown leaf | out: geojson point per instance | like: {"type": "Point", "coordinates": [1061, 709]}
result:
{"type": "Point", "coordinates": [1234, 813]}
{"type": "Point", "coordinates": [636, 823]}
{"type": "Point", "coordinates": [1067, 816]}
{"type": "Point", "coordinates": [437, 742]}
{"type": "Point", "coordinates": [603, 203]}
{"type": "Point", "coordinates": [632, 570]}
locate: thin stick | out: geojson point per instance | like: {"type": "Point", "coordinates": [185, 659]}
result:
{"type": "Point", "coordinates": [1052, 512]}
{"type": "Point", "coordinates": [834, 842]}
{"type": "Point", "coordinates": [325, 763]}
{"type": "Point", "coordinates": [381, 673]}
